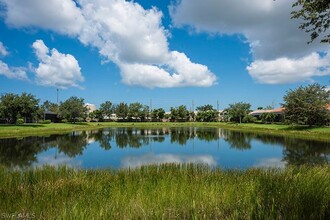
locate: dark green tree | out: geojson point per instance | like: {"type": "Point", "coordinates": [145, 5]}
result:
{"type": "Point", "coordinates": [158, 114]}
{"type": "Point", "coordinates": [73, 109]}
{"type": "Point", "coordinates": [13, 106]}
{"type": "Point", "coordinates": [206, 113]}
{"type": "Point", "coordinates": [122, 110]}
{"type": "Point", "coordinates": [237, 111]}
{"type": "Point", "coordinates": [145, 113]}
{"type": "Point", "coordinates": [96, 115]}
{"type": "Point", "coordinates": [180, 113]}
{"type": "Point", "coordinates": [9, 107]}
{"type": "Point", "coordinates": [107, 108]}
{"type": "Point", "coordinates": [307, 105]}
{"type": "Point", "coordinates": [50, 106]}
{"type": "Point", "coordinates": [29, 106]}
{"type": "Point", "coordinates": [316, 16]}
{"type": "Point", "coordinates": [136, 111]}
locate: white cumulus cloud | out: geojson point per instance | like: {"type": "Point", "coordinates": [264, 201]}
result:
{"type": "Point", "coordinates": [136, 41]}
{"type": "Point", "coordinates": [58, 15]}
{"type": "Point", "coordinates": [274, 38]}
{"type": "Point", "coordinates": [3, 50]}
{"type": "Point", "coordinates": [12, 72]}
{"type": "Point", "coordinates": [123, 32]}
{"type": "Point", "coordinates": [55, 68]}
{"type": "Point", "coordinates": [284, 70]}
{"type": "Point", "coordinates": [179, 71]}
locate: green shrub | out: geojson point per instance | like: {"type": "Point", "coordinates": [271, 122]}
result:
{"type": "Point", "coordinates": [259, 122]}
{"type": "Point", "coordinates": [20, 121]}
{"type": "Point", "coordinates": [45, 122]}
{"type": "Point", "coordinates": [64, 121]}
{"type": "Point", "coordinates": [249, 119]}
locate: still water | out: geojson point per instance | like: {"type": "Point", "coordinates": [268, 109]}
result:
{"type": "Point", "coordinates": [133, 147]}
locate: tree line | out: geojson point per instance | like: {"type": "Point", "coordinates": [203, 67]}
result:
{"type": "Point", "coordinates": [305, 106]}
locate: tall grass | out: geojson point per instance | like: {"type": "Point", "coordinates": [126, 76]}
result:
{"type": "Point", "coordinates": [167, 192]}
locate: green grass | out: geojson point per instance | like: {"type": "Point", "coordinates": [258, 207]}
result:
{"type": "Point", "coordinates": [167, 192]}
{"type": "Point", "coordinates": [46, 129]}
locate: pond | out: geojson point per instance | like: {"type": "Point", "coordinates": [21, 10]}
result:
{"type": "Point", "coordinates": [133, 147]}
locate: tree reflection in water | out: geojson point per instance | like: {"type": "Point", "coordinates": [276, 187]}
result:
{"type": "Point", "coordinates": [103, 136]}
{"type": "Point", "coordinates": [23, 152]}
{"type": "Point", "coordinates": [182, 135]}
{"type": "Point", "coordinates": [20, 152]}
{"type": "Point", "coordinates": [72, 144]}
{"type": "Point", "coordinates": [297, 152]}
{"type": "Point", "coordinates": [238, 140]}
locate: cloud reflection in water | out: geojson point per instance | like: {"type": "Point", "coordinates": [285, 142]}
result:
{"type": "Point", "coordinates": [148, 159]}
{"type": "Point", "coordinates": [59, 160]}
{"type": "Point", "coordinates": [271, 163]}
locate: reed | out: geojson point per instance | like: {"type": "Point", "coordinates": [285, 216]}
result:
{"type": "Point", "coordinates": [169, 191]}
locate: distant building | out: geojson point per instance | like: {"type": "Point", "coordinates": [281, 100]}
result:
{"type": "Point", "coordinates": [52, 116]}
{"type": "Point", "coordinates": [90, 107]}
{"type": "Point", "coordinates": [222, 115]}
{"type": "Point", "coordinates": [277, 111]}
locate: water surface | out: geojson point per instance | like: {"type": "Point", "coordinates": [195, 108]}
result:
{"type": "Point", "coordinates": [133, 147]}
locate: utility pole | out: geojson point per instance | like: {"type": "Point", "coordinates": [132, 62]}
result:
{"type": "Point", "coordinates": [193, 110]}
{"type": "Point", "coordinates": [58, 107]}
{"type": "Point", "coordinates": [218, 113]}
{"type": "Point", "coordinates": [57, 96]}
{"type": "Point", "coordinates": [150, 108]}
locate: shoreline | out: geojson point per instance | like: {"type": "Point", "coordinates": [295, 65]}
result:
{"type": "Point", "coordinates": [302, 132]}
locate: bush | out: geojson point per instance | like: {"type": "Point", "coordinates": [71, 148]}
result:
{"type": "Point", "coordinates": [259, 122]}
{"type": "Point", "coordinates": [20, 121]}
{"type": "Point", "coordinates": [64, 121]}
{"type": "Point", "coordinates": [249, 119]}
{"type": "Point", "coordinates": [45, 122]}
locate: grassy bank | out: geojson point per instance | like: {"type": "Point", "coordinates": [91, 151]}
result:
{"type": "Point", "coordinates": [167, 192]}
{"type": "Point", "coordinates": [322, 133]}
{"type": "Point", "coordinates": [7, 131]}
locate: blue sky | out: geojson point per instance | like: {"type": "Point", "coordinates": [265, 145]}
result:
{"type": "Point", "coordinates": [165, 52]}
